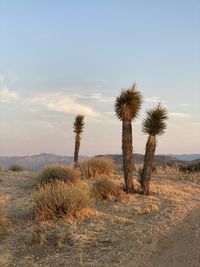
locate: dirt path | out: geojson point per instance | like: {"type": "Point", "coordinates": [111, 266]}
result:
{"type": "Point", "coordinates": [16, 189]}
{"type": "Point", "coordinates": [182, 247]}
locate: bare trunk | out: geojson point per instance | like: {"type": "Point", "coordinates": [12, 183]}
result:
{"type": "Point", "coordinates": [148, 164]}
{"type": "Point", "coordinates": [127, 150]}
{"type": "Point", "coordinates": [76, 150]}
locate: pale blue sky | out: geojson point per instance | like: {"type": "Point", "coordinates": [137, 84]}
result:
{"type": "Point", "coordinates": [60, 58]}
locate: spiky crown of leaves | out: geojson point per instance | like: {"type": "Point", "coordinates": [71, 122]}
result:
{"type": "Point", "coordinates": [155, 122]}
{"type": "Point", "coordinates": [128, 104]}
{"type": "Point", "coordinates": [79, 124]}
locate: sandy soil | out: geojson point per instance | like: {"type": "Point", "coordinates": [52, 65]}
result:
{"type": "Point", "coordinates": [182, 246]}
{"type": "Point", "coordinates": [160, 230]}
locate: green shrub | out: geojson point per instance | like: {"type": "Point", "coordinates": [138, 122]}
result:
{"type": "Point", "coordinates": [59, 172]}
{"type": "Point", "coordinates": [59, 198]}
{"type": "Point", "coordinates": [16, 168]}
{"type": "Point", "coordinates": [104, 189]}
{"type": "Point", "coordinates": [97, 167]}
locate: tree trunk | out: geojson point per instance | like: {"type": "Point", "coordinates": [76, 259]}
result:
{"type": "Point", "coordinates": [127, 150]}
{"type": "Point", "coordinates": [76, 150]}
{"type": "Point", "coordinates": [148, 164]}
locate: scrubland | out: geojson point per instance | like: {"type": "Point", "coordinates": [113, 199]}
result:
{"type": "Point", "coordinates": [91, 221]}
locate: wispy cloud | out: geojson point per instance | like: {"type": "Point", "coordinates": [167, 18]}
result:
{"type": "Point", "coordinates": [7, 96]}
{"type": "Point", "coordinates": [101, 98]}
{"type": "Point", "coordinates": [96, 96]}
{"type": "Point", "coordinates": [64, 103]}
{"type": "Point", "coordinates": [54, 101]}
{"type": "Point", "coordinates": [184, 105]}
{"type": "Point", "coordinates": [153, 99]}
{"type": "Point", "coordinates": [179, 114]}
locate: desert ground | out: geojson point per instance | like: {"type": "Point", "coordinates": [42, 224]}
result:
{"type": "Point", "coordinates": [162, 229]}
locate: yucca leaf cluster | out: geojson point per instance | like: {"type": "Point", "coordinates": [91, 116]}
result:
{"type": "Point", "coordinates": [79, 124]}
{"type": "Point", "coordinates": [154, 124]}
{"type": "Point", "coordinates": [128, 104]}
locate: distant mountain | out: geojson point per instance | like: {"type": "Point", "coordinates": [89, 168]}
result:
{"type": "Point", "coordinates": [39, 161]}
{"type": "Point", "coordinates": [36, 161]}
{"type": "Point", "coordinates": [187, 157]}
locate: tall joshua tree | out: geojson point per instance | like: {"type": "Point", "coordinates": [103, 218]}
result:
{"type": "Point", "coordinates": [154, 124]}
{"type": "Point", "coordinates": [127, 106]}
{"type": "Point", "coordinates": [78, 129]}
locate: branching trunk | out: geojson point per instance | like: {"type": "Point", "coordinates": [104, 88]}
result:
{"type": "Point", "coordinates": [127, 150]}
{"type": "Point", "coordinates": [148, 164]}
{"type": "Point", "coordinates": [76, 150]}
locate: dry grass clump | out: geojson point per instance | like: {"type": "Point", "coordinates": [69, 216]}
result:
{"type": "Point", "coordinates": [1, 168]}
{"type": "Point", "coordinates": [59, 172]}
{"type": "Point", "coordinates": [168, 170]}
{"type": "Point", "coordinates": [3, 217]}
{"type": "Point", "coordinates": [161, 170]}
{"type": "Point", "coordinates": [58, 199]}
{"type": "Point", "coordinates": [104, 189]}
{"type": "Point", "coordinates": [16, 168]}
{"type": "Point", "coordinates": [146, 209]}
{"type": "Point", "coordinates": [97, 167]}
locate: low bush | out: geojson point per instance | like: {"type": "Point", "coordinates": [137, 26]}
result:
{"type": "Point", "coordinates": [104, 189]}
{"type": "Point", "coordinates": [1, 168]}
{"type": "Point", "coordinates": [3, 217]}
{"type": "Point", "coordinates": [16, 168]}
{"type": "Point", "coordinates": [58, 199]}
{"type": "Point", "coordinates": [97, 167]}
{"type": "Point", "coordinates": [59, 172]}
{"type": "Point", "coordinates": [193, 167]}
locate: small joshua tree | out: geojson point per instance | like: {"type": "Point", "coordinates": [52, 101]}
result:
{"type": "Point", "coordinates": [127, 106]}
{"type": "Point", "coordinates": [78, 129]}
{"type": "Point", "coordinates": [154, 124]}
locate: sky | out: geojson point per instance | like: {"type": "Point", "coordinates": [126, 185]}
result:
{"type": "Point", "coordinates": [63, 58]}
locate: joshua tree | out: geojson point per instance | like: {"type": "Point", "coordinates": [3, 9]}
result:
{"type": "Point", "coordinates": [78, 129]}
{"type": "Point", "coordinates": [127, 106]}
{"type": "Point", "coordinates": [154, 124]}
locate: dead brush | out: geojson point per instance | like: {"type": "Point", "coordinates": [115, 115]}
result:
{"type": "Point", "coordinates": [59, 172]}
{"type": "Point", "coordinates": [16, 168]}
{"type": "Point", "coordinates": [3, 216]}
{"type": "Point", "coordinates": [60, 199]}
{"type": "Point", "coordinates": [97, 167]}
{"type": "Point", "coordinates": [145, 209]}
{"type": "Point", "coordinates": [167, 170]}
{"type": "Point", "coordinates": [104, 189]}
{"type": "Point", "coordinates": [1, 168]}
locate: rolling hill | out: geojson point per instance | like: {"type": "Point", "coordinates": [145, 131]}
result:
{"type": "Point", "coordinates": [36, 162]}
{"type": "Point", "coordinates": [39, 161]}
{"type": "Point", "coordinates": [187, 157]}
